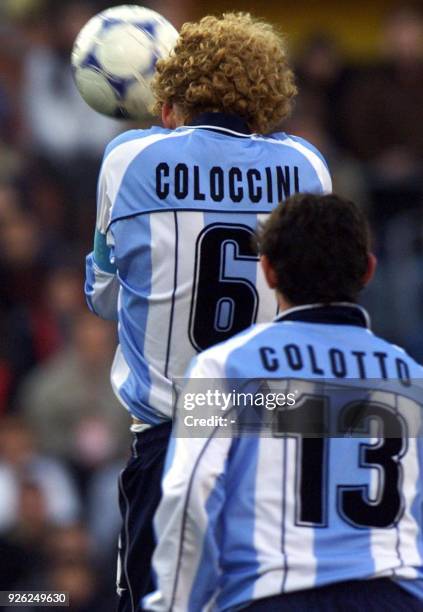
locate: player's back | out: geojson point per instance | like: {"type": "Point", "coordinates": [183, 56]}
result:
{"type": "Point", "coordinates": [183, 209]}
{"type": "Point", "coordinates": [316, 507]}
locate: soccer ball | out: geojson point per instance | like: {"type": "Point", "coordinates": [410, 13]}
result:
{"type": "Point", "coordinates": [114, 58]}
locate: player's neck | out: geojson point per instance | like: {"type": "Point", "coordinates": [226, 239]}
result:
{"type": "Point", "coordinates": [283, 303]}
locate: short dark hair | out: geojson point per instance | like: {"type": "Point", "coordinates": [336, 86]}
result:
{"type": "Point", "coordinates": [318, 246]}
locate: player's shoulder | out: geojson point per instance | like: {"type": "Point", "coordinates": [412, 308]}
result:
{"type": "Point", "coordinates": [304, 151]}
{"type": "Point", "coordinates": [395, 351]}
{"type": "Point", "coordinates": [300, 144]}
{"type": "Point", "coordinates": [133, 146]}
{"type": "Point", "coordinates": [220, 352]}
{"type": "Point", "coordinates": [135, 136]}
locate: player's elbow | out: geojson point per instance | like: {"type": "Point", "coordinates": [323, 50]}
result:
{"type": "Point", "coordinates": [101, 290]}
{"type": "Point", "coordinates": [106, 309]}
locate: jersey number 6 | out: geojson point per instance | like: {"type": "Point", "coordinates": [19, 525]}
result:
{"type": "Point", "coordinates": [225, 299]}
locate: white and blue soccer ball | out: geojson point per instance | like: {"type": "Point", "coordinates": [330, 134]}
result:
{"type": "Point", "coordinates": [114, 58]}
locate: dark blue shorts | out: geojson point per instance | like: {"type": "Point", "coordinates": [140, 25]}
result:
{"type": "Point", "coordinates": [139, 496]}
{"type": "Point", "coordinates": [379, 595]}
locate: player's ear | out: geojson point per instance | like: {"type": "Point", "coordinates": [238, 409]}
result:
{"type": "Point", "coordinates": [269, 272]}
{"type": "Point", "coordinates": [172, 117]}
{"type": "Point", "coordinates": [168, 116]}
{"type": "Point", "coordinates": [371, 268]}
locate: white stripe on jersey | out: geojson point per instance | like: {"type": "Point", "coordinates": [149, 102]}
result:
{"type": "Point", "coordinates": [190, 225]}
{"type": "Point", "coordinates": [185, 499]}
{"type": "Point", "coordinates": [268, 306]}
{"type": "Point", "coordinates": [159, 321]}
{"type": "Point", "coordinates": [408, 528]}
{"type": "Point", "coordinates": [203, 482]}
{"type": "Point", "coordinates": [119, 373]}
{"type": "Point", "coordinates": [315, 161]}
{"type": "Point", "coordinates": [266, 533]}
{"type": "Point", "coordinates": [116, 165]}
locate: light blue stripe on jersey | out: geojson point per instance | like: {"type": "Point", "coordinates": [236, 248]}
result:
{"type": "Point", "coordinates": [329, 564]}
{"type": "Point", "coordinates": [240, 557]}
{"type": "Point", "coordinates": [208, 567]}
{"type": "Point", "coordinates": [133, 313]}
{"type": "Point", "coordinates": [169, 455]}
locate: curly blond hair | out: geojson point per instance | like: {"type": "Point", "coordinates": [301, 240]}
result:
{"type": "Point", "coordinates": [234, 64]}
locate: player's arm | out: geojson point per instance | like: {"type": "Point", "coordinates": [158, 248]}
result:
{"type": "Point", "coordinates": [186, 560]}
{"type": "Point", "coordinates": [101, 281]}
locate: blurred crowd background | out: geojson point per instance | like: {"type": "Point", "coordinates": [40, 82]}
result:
{"type": "Point", "coordinates": [63, 437]}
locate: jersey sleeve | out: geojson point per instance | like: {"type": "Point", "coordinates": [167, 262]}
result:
{"type": "Point", "coordinates": [101, 290]}
{"type": "Point", "coordinates": [186, 560]}
{"type": "Point", "coordinates": [101, 282]}
{"type": "Point", "coordinates": [102, 286]}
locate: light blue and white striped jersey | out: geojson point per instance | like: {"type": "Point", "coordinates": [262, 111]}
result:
{"type": "Point", "coordinates": [179, 209]}
{"type": "Point", "coordinates": [249, 517]}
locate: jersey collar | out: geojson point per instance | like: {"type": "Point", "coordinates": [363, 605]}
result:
{"type": "Point", "coordinates": [336, 313]}
{"type": "Point", "coordinates": [233, 125]}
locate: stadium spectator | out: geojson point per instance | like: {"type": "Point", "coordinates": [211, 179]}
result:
{"type": "Point", "coordinates": [323, 72]}
{"type": "Point", "coordinates": [21, 460]}
{"type": "Point", "coordinates": [49, 94]}
{"type": "Point", "coordinates": [64, 562]}
{"type": "Point", "coordinates": [69, 543]}
{"type": "Point", "coordinates": [84, 585]}
{"type": "Point", "coordinates": [22, 558]}
{"type": "Point", "coordinates": [348, 175]}
{"type": "Point", "coordinates": [69, 402]}
{"type": "Point", "coordinates": [103, 517]}
{"type": "Point", "coordinates": [382, 113]}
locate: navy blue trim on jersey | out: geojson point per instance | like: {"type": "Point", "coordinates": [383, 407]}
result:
{"type": "Point", "coordinates": [220, 120]}
{"type": "Point", "coordinates": [330, 314]}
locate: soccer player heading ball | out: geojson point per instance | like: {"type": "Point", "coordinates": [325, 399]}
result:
{"type": "Point", "coordinates": [177, 208]}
